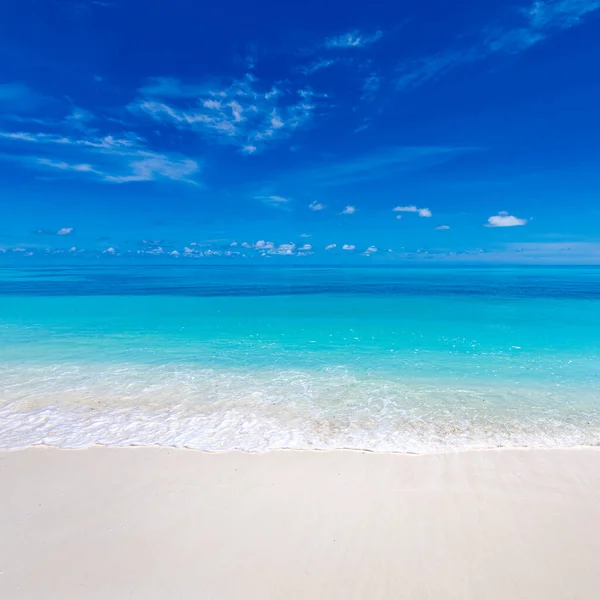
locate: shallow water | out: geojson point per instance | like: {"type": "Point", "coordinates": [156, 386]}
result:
{"type": "Point", "coordinates": [398, 359]}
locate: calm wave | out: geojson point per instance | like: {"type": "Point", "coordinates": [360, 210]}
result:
{"type": "Point", "coordinates": [215, 358]}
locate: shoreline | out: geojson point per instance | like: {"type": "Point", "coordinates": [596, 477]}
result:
{"type": "Point", "coordinates": [160, 523]}
{"type": "Point", "coordinates": [436, 452]}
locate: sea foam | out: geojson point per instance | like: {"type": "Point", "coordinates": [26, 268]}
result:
{"type": "Point", "coordinates": [76, 406]}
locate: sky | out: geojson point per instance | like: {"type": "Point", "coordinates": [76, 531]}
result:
{"type": "Point", "coordinates": [300, 131]}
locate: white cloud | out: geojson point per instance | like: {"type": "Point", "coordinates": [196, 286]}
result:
{"type": "Point", "coordinates": [349, 210]}
{"type": "Point", "coordinates": [533, 24]}
{"type": "Point", "coordinates": [352, 39]}
{"type": "Point", "coordinates": [110, 159]}
{"type": "Point", "coordinates": [316, 206]}
{"type": "Point", "coordinates": [370, 250]}
{"type": "Point", "coordinates": [285, 249]}
{"type": "Point", "coordinates": [64, 231]}
{"type": "Point", "coordinates": [503, 219]}
{"type": "Point", "coordinates": [109, 251]}
{"type": "Point", "coordinates": [233, 244]}
{"type": "Point", "coordinates": [398, 217]}
{"type": "Point", "coordinates": [245, 113]}
{"type": "Point", "coordinates": [442, 227]}
{"type": "Point", "coordinates": [330, 246]}
{"type": "Point", "coordinates": [422, 212]}
{"type": "Point", "coordinates": [317, 65]}
{"type": "Point", "coordinates": [148, 169]}
{"type": "Point", "coordinates": [560, 14]}
{"type": "Point", "coordinates": [386, 163]}
{"type": "Point", "coordinates": [65, 166]}
{"type": "Point", "coordinates": [305, 235]}
{"type": "Point", "coordinates": [80, 118]}
{"type": "Point", "coordinates": [262, 245]}
{"type": "Point", "coordinates": [275, 200]}
{"type": "Point", "coordinates": [348, 247]}
{"type": "Point", "coordinates": [370, 87]}
{"type": "Point", "coordinates": [305, 248]}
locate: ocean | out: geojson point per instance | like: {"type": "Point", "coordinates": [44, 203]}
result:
{"type": "Point", "coordinates": [396, 359]}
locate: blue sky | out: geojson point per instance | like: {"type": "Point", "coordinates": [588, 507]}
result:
{"type": "Point", "coordinates": [315, 131]}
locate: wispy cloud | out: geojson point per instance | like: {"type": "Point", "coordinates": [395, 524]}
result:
{"type": "Point", "coordinates": [353, 39]}
{"type": "Point", "coordinates": [19, 97]}
{"type": "Point", "coordinates": [348, 247]}
{"type": "Point", "coordinates": [80, 118]}
{"type": "Point", "coordinates": [349, 210]}
{"type": "Point", "coordinates": [330, 246]}
{"type": "Point", "coordinates": [316, 206]}
{"type": "Point", "coordinates": [422, 212]}
{"type": "Point", "coordinates": [109, 159]}
{"type": "Point", "coordinates": [243, 114]}
{"type": "Point", "coordinates": [503, 219]}
{"type": "Point", "coordinates": [317, 65]}
{"type": "Point", "coordinates": [273, 199]}
{"type": "Point", "coordinates": [535, 23]}
{"type": "Point", "coordinates": [65, 231]}
{"type": "Point", "coordinates": [158, 166]}
{"type": "Point", "coordinates": [371, 86]}
{"type": "Point", "coordinates": [442, 227]}
{"type": "Point", "coordinates": [385, 163]}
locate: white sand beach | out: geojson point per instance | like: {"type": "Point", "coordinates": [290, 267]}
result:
{"type": "Point", "coordinates": [159, 523]}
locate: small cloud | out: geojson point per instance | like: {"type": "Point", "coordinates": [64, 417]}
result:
{"type": "Point", "coordinates": [233, 244]}
{"type": "Point", "coordinates": [442, 227]}
{"type": "Point", "coordinates": [80, 116]}
{"type": "Point", "coordinates": [422, 212]}
{"type": "Point", "coordinates": [316, 206]}
{"type": "Point", "coordinates": [330, 246]}
{"type": "Point", "coordinates": [371, 86]}
{"type": "Point", "coordinates": [64, 231]}
{"type": "Point", "coordinates": [318, 65]}
{"type": "Point", "coordinates": [263, 245]}
{"type": "Point", "coordinates": [273, 200]}
{"type": "Point", "coordinates": [249, 149]}
{"type": "Point", "coordinates": [305, 248]}
{"type": "Point", "coordinates": [110, 250]}
{"type": "Point", "coordinates": [284, 249]}
{"type": "Point", "coordinates": [305, 235]}
{"type": "Point", "coordinates": [349, 210]}
{"type": "Point", "coordinates": [399, 217]}
{"type": "Point", "coordinates": [348, 247]}
{"type": "Point", "coordinates": [503, 219]}
{"type": "Point", "coordinates": [364, 126]}
{"type": "Point", "coordinates": [352, 39]}
{"type": "Point", "coordinates": [370, 250]}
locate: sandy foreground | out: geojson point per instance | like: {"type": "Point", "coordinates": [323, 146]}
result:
{"type": "Point", "coordinates": [157, 523]}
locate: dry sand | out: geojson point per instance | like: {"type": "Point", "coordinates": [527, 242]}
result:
{"type": "Point", "coordinates": [151, 523]}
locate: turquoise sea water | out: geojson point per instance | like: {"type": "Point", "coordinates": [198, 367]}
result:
{"type": "Point", "coordinates": [406, 359]}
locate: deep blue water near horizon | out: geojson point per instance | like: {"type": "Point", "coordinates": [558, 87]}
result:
{"type": "Point", "coordinates": [406, 359]}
